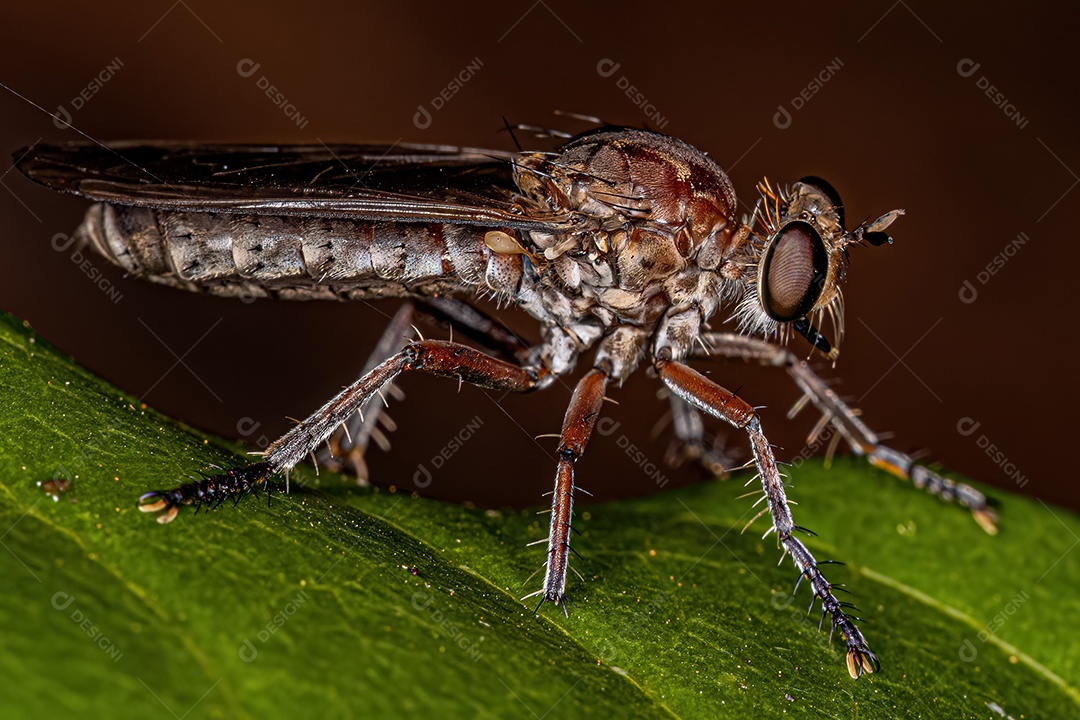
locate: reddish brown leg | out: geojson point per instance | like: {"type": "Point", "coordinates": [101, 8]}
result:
{"type": "Point", "coordinates": [715, 400]}
{"type": "Point", "coordinates": [347, 445]}
{"type": "Point", "coordinates": [436, 357]}
{"type": "Point", "coordinates": [577, 427]}
{"type": "Point", "coordinates": [486, 330]}
{"type": "Point", "coordinates": [862, 439]}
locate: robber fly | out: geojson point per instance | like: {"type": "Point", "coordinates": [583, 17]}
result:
{"type": "Point", "coordinates": [623, 242]}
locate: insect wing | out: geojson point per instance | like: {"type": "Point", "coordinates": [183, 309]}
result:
{"type": "Point", "coordinates": [407, 183]}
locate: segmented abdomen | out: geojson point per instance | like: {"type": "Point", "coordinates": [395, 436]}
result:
{"type": "Point", "coordinates": [298, 257]}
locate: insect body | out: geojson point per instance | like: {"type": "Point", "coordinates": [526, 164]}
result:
{"type": "Point", "coordinates": [624, 242]}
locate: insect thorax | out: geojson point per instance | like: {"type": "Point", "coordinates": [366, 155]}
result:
{"type": "Point", "coordinates": [655, 233]}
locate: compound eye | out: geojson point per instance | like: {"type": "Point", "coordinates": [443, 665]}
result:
{"type": "Point", "coordinates": [826, 189]}
{"type": "Point", "coordinates": [793, 272]}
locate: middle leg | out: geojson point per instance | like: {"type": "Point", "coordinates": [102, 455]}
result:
{"type": "Point", "coordinates": [577, 427]}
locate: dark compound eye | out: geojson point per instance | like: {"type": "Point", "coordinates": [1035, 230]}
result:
{"type": "Point", "coordinates": [793, 271]}
{"type": "Point", "coordinates": [828, 191]}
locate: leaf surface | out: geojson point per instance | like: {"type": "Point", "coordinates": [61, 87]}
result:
{"type": "Point", "coordinates": [338, 601]}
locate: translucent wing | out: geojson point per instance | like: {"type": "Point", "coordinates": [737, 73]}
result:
{"type": "Point", "coordinates": [431, 183]}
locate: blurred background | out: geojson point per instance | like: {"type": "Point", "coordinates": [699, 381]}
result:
{"type": "Point", "coordinates": [964, 116]}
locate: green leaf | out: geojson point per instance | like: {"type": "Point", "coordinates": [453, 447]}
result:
{"type": "Point", "coordinates": [340, 601]}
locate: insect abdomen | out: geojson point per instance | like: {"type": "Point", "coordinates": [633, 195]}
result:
{"type": "Point", "coordinates": [297, 257]}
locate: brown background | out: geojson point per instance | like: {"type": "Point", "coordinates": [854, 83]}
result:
{"type": "Point", "coordinates": [896, 126]}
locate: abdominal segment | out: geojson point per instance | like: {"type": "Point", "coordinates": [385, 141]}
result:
{"type": "Point", "coordinates": [298, 257]}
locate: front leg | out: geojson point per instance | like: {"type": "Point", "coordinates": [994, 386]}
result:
{"type": "Point", "coordinates": [703, 393]}
{"type": "Point", "coordinates": [861, 439]}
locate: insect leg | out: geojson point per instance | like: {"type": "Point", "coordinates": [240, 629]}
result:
{"type": "Point", "coordinates": [445, 359]}
{"type": "Point", "coordinates": [577, 426]}
{"type": "Point", "coordinates": [862, 439]}
{"type": "Point", "coordinates": [691, 442]}
{"type": "Point", "coordinates": [698, 390]}
{"type": "Point", "coordinates": [478, 326]}
{"type": "Point", "coordinates": [347, 444]}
